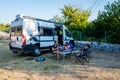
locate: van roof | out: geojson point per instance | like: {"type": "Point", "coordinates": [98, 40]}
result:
{"type": "Point", "coordinates": [33, 18]}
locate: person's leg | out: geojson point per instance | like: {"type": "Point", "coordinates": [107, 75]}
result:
{"type": "Point", "coordinates": [58, 56]}
{"type": "Point", "coordinates": [81, 53]}
{"type": "Point", "coordinates": [85, 53]}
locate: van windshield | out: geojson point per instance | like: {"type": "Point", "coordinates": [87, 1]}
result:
{"type": "Point", "coordinates": [67, 33]}
{"type": "Point", "coordinates": [16, 31]}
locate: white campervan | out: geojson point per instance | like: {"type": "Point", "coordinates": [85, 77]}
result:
{"type": "Point", "coordinates": [33, 35]}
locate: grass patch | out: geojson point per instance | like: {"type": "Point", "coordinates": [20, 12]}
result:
{"type": "Point", "coordinates": [51, 67]}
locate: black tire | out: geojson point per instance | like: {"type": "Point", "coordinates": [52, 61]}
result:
{"type": "Point", "coordinates": [15, 52]}
{"type": "Point", "coordinates": [36, 51]}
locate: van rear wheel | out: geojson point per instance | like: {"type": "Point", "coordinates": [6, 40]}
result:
{"type": "Point", "coordinates": [36, 51]}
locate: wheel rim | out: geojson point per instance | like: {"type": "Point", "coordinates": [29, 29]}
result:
{"type": "Point", "coordinates": [37, 51]}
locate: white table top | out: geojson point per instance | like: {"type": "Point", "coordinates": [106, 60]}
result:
{"type": "Point", "coordinates": [68, 52]}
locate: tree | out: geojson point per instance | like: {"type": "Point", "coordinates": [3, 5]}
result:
{"type": "Point", "coordinates": [75, 18]}
{"type": "Point", "coordinates": [4, 27]}
{"type": "Point", "coordinates": [7, 27]}
{"type": "Point", "coordinates": [109, 21]}
{"type": "Point", "coordinates": [57, 18]}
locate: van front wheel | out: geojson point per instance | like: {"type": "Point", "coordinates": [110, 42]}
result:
{"type": "Point", "coordinates": [36, 51]}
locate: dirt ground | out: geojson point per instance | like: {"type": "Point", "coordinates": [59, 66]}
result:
{"type": "Point", "coordinates": [102, 66]}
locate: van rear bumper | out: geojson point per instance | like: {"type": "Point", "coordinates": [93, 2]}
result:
{"type": "Point", "coordinates": [25, 49]}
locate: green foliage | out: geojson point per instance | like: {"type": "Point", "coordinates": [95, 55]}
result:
{"type": "Point", "coordinates": [105, 27]}
{"type": "Point", "coordinates": [57, 18]}
{"type": "Point", "coordinates": [109, 21]}
{"type": "Point", "coordinates": [75, 18]}
{"type": "Point", "coordinates": [4, 27]}
{"type": "Point", "coordinates": [76, 34]}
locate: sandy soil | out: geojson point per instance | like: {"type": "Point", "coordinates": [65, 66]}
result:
{"type": "Point", "coordinates": [102, 66]}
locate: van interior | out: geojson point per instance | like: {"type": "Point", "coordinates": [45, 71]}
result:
{"type": "Point", "coordinates": [59, 33]}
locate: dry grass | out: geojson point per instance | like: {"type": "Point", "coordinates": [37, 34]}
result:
{"type": "Point", "coordinates": [103, 66]}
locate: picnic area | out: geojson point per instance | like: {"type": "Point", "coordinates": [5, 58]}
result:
{"type": "Point", "coordinates": [102, 66]}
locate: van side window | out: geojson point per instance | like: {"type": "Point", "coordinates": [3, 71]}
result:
{"type": "Point", "coordinates": [67, 33]}
{"type": "Point", "coordinates": [46, 31]}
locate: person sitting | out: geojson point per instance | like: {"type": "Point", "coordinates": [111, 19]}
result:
{"type": "Point", "coordinates": [56, 50]}
{"type": "Point", "coordinates": [66, 46]}
{"type": "Point", "coordinates": [85, 51]}
{"type": "Point", "coordinates": [55, 46]}
{"type": "Point", "coordinates": [71, 45]}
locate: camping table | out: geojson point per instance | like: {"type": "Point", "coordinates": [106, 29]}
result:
{"type": "Point", "coordinates": [64, 53]}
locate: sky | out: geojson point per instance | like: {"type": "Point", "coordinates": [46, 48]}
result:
{"type": "Point", "coordinates": [46, 9]}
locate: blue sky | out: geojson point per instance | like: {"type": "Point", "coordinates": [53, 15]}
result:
{"type": "Point", "coordinates": [45, 9]}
